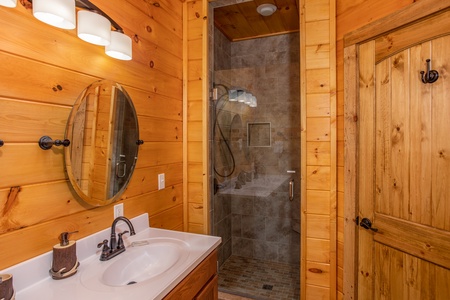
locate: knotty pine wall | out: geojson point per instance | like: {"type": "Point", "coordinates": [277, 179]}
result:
{"type": "Point", "coordinates": [318, 144]}
{"type": "Point", "coordinates": [43, 69]}
{"type": "Point", "coordinates": [196, 147]}
{"type": "Point", "coordinates": [350, 15]}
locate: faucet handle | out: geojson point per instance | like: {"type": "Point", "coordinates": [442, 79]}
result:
{"type": "Point", "coordinates": [120, 241]}
{"type": "Point", "coordinates": [105, 249]}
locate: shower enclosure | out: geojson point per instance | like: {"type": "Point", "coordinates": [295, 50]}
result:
{"type": "Point", "coordinates": [255, 161]}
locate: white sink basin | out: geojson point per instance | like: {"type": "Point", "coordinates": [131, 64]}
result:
{"type": "Point", "coordinates": [156, 259]}
{"type": "Point", "coordinates": [142, 261]}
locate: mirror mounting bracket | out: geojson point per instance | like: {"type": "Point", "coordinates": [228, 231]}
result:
{"type": "Point", "coordinates": [47, 143]}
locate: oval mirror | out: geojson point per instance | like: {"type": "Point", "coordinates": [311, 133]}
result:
{"type": "Point", "coordinates": [104, 140]}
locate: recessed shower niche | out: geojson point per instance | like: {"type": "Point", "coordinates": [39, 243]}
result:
{"type": "Point", "coordinates": [258, 134]}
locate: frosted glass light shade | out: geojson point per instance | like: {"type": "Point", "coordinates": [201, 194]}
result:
{"type": "Point", "coordinates": [254, 102]}
{"type": "Point", "coordinates": [240, 95]}
{"type": "Point", "coordinates": [58, 13]}
{"type": "Point", "coordinates": [120, 46]}
{"type": "Point", "coordinates": [232, 95]}
{"type": "Point", "coordinates": [248, 98]}
{"type": "Point", "coordinates": [8, 3]}
{"type": "Point", "coordinates": [94, 28]}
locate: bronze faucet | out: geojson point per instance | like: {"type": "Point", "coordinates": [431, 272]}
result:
{"type": "Point", "coordinates": [115, 247]}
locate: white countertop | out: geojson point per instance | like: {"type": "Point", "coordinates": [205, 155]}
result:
{"type": "Point", "coordinates": [32, 280]}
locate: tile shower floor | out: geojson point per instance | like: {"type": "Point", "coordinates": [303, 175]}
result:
{"type": "Point", "coordinates": [258, 279]}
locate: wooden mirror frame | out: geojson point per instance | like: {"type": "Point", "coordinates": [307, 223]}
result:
{"type": "Point", "coordinates": [103, 131]}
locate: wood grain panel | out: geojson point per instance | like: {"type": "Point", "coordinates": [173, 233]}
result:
{"type": "Point", "coordinates": [195, 110]}
{"type": "Point", "coordinates": [195, 192]}
{"type": "Point", "coordinates": [440, 141]}
{"type": "Point", "coordinates": [168, 219]}
{"type": "Point", "coordinates": [150, 104]}
{"type": "Point", "coordinates": [319, 202]}
{"type": "Point", "coordinates": [316, 10]}
{"type": "Point", "coordinates": [195, 213]}
{"type": "Point", "coordinates": [366, 145]}
{"type": "Point", "coordinates": [318, 178]}
{"type": "Point", "coordinates": [318, 153]}
{"type": "Point", "coordinates": [144, 180]}
{"type": "Point", "coordinates": [56, 47]}
{"type": "Point", "coordinates": [318, 56]}
{"type": "Point", "coordinates": [165, 13]}
{"type": "Point", "coordinates": [428, 29]}
{"type": "Point", "coordinates": [420, 143]}
{"type": "Point", "coordinates": [47, 84]}
{"type": "Point", "coordinates": [318, 81]}
{"type": "Point", "coordinates": [195, 174]}
{"type": "Point", "coordinates": [318, 226]}
{"type": "Point", "coordinates": [27, 169]}
{"type": "Point", "coordinates": [23, 121]}
{"type": "Point", "coordinates": [319, 129]}
{"type": "Point", "coordinates": [318, 274]}
{"type": "Point", "coordinates": [383, 137]}
{"type": "Point", "coordinates": [160, 130]}
{"type": "Point", "coordinates": [317, 292]}
{"type": "Point", "coordinates": [317, 33]}
{"type": "Point", "coordinates": [159, 153]}
{"type": "Point", "coordinates": [318, 250]}
{"type": "Point", "coordinates": [318, 105]}
{"type": "Point", "coordinates": [399, 190]}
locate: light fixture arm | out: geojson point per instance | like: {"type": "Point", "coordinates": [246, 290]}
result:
{"type": "Point", "coordinates": [88, 5]}
{"type": "Point", "coordinates": [83, 4]}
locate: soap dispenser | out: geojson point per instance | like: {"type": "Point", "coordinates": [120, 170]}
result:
{"type": "Point", "coordinates": [65, 262]}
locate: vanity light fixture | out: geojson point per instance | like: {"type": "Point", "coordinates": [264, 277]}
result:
{"type": "Point", "coordinates": [266, 9]}
{"type": "Point", "coordinates": [58, 13]}
{"type": "Point", "coordinates": [94, 28]}
{"type": "Point", "coordinates": [120, 46]}
{"type": "Point", "coordinates": [8, 3]}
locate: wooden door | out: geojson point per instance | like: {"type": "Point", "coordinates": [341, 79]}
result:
{"type": "Point", "coordinates": [403, 165]}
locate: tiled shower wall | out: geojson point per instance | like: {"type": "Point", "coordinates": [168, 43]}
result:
{"type": "Point", "coordinates": [250, 226]}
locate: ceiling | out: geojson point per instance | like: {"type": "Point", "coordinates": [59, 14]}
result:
{"type": "Point", "coordinates": [241, 21]}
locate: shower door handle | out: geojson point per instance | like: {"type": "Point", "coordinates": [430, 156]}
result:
{"type": "Point", "coordinates": [291, 189]}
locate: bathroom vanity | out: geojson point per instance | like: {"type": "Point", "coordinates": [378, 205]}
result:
{"type": "Point", "coordinates": [157, 264]}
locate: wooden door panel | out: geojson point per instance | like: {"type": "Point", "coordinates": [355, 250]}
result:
{"type": "Point", "coordinates": [403, 276]}
{"type": "Point", "coordinates": [440, 94]}
{"type": "Point", "coordinates": [404, 174]}
{"type": "Point", "coordinates": [420, 139]}
{"type": "Point", "coordinates": [422, 241]}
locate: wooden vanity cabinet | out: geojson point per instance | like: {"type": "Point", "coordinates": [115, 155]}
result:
{"type": "Point", "coordinates": [200, 284]}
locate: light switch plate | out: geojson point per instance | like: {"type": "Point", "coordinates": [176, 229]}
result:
{"type": "Point", "coordinates": [161, 181]}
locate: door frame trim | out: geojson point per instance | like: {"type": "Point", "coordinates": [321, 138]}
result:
{"type": "Point", "coordinates": [401, 18]}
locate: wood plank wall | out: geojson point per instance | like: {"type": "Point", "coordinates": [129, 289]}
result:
{"type": "Point", "coordinates": [350, 15]}
{"type": "Point", "coordinates": [318, 139]}
{"type": "Point", "coordinates": [196, 115]}
{"type": "Point", "coordinates": [43, 69]}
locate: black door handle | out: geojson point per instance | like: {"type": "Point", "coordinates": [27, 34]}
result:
{"type": "Point", "coordinates": [367, 224]}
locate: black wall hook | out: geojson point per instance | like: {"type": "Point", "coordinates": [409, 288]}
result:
{"type": "Point", "coordinates": [47, 143]}
{"type": "Point", "coordinates": [429, 76]}
{"type": "Point", "coordinates": [1, 143]}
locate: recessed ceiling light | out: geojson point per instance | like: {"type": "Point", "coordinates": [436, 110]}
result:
{"type": "Point", "coordinates": [266, 9]}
